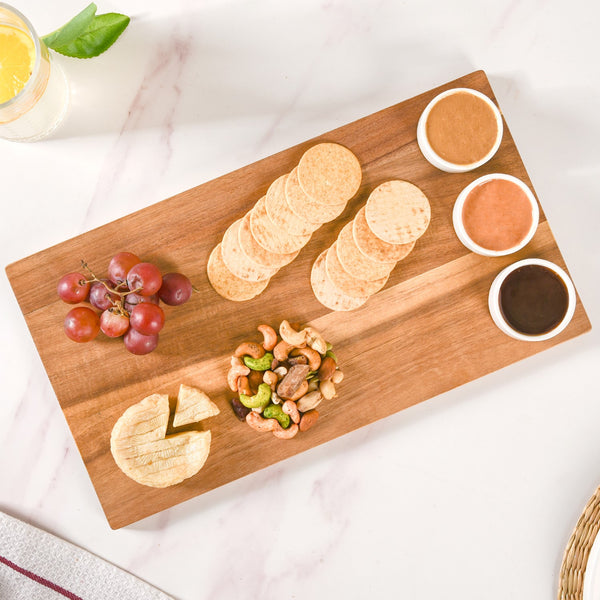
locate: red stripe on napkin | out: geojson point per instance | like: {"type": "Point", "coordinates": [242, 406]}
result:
{"type": "Point", "coordinates": [40, 580]}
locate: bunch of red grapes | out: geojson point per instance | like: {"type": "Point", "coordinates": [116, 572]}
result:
{"type": "Point", "coordinates": [128, 301]}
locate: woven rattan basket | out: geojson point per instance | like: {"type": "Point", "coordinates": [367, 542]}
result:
{"type": "Point", "coordinates": [572, 571]}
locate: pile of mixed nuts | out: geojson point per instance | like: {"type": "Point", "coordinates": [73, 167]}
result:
{"type": "Point", "coordinates": [282, 380]}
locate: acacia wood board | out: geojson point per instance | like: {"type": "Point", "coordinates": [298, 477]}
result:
{"type": "Point", "coordinates": [430, 324]}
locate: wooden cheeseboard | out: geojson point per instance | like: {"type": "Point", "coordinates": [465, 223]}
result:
{"type": "Point", "coordinates": [429, 326]}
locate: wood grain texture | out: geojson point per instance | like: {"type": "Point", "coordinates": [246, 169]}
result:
{"type": "Point", "coordinates": [430, 323]}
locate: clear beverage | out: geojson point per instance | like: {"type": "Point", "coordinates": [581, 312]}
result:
{"type": "Point", "coordinates": [40, 106]}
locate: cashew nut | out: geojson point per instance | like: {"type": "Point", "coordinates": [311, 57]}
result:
{"type": "Point", "coordinates": [291, 336]}
{"type": "Point", "coordinates": [315, 340]}
{"type": "Point", "coordinates": [269, 335]}
{"type": "Point", "coordinates": [249, 349]}
{"type": "Point", "coordinates": [289, 408]}
{"type": "Point", "coordinates": [309, 401]}
{"type": "Point", "coordinates": [271, 378]}
{"type": "Point", "coordinates": [281, 350]}
{"type": "Point", "coordinates": [327, 388]}
{"type": "Point", "coordinates": [285, 434]}
{"type": "Point", "coordinates": [243, 386]}
{"type": "Point", "coordinates": [337, 377]}
{"type": "Point", "coordinates": [238, 369]}
{"type": "Point", "coordinates": [257, 422]}
{"type": "Point", "coordinates": [275, 399]}
{"type": "Point", "coordinates": [280, 371]}
{"type": "Point", "coordinates": [259, 364]}
{"type": "Point", "coordinates": [314, 358]}
{"type": "Point", "coordinates": [260, 424]}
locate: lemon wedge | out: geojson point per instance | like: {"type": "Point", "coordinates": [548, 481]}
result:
{"type": "Point", "coordinates": [17, 58]}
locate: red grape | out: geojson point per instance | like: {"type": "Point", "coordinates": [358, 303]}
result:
{"type": "Point", "coordinates": [73, 288]}
{"type": "Point", "coordinates": [147, 318]}
{"type": "Point", "coordinates": [175, 289]}
{"type": "Point", "coordinates": [145, 278]}
{"type": "Point", "coordinates": [82, 324]}
{"type": "Point", "coordinates": [100, 297]}
{"type": "Point", "coordinates": [120, 265]}
{"type": "Point", "coordinates": [113, 324]}
{"type": "Point", "coordinates": [138, 343]}
{"type": "Point", "coordinates": [132, 299]}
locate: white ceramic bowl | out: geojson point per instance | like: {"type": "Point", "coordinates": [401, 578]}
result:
{"type": "Point", "coordinates": [496, 311]}
{"type": "Point", "coordinates": [459, 227]}
{"type": "Point", "coordinates": [430, 154]}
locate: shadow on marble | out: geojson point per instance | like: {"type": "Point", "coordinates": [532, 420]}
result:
{"type": "Point", "coordinates": [167, 73]}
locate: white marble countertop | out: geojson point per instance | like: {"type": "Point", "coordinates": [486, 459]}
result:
{"type": "Point", "coordinates": [470, 495]}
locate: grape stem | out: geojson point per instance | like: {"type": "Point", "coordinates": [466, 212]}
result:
{"type": "Point", "coordinates": [118, 304]}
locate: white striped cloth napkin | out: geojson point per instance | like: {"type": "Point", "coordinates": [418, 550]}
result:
{"type": "Point", "coordinates": [35, 565]}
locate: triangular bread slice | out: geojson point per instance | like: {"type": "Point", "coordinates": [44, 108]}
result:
{"type": "Point", "coordinates": [193, 406]}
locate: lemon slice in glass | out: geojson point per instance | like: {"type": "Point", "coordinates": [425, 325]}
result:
{"type": "Point", "coordinates": [17, 58]}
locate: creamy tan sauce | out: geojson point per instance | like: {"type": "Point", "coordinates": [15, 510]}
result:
{"type": "Point", "coordinates": [497, 215]}
{"type": "Point", "coordinates": [461, 128]}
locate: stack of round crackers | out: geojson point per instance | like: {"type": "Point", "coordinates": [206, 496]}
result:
{"type": "Point", "coordinates": [281, 223]}
{"type": "Point", "coordinates": [367, 249]}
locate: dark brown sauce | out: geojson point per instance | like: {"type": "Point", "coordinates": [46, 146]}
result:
{"type": "Point", "coordinates": [533, 299]}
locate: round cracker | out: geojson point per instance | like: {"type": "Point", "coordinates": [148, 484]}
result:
{"type": "Point", "coordinates": [237, 262]}
{"type": "Point", "coordinates": [271, 237]}
{"type": "Point", "coordinates": [374, 248]}
{"type": "Point", "coordinates": [329, 173]}
{"type": "Point", "coordinates": [355, 262]}
{"type": "Point", "coordinates": [281, 214]}
{"type": "Point", "coordinates": [306, 208]}
{"type": "Point", "coordinates": [256, 253]}
{"type": "Point", "coordinates": [226, 284]}
{"type": "Point", "coordinates": [326, 293]}
{"type": "Point", "coordinates": [343, 281]}
{"type": "Point", "coordinates": [398, 212]}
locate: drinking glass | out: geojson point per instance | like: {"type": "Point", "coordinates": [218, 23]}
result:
{"type": "Point", "coordinates": [41, 105]}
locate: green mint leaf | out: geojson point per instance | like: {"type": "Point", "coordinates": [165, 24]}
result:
{"type": "Point", "coordinates": [71, 30]}
{"type": "Point", "coordinates": [99, 36]}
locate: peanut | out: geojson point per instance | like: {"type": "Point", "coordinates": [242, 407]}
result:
{"type": "Point", "coordinates": [327, 389]}
{"type": "Point", "coordinates": [271, 378]}
{"type": "Point", "coordinates": [309, 401]}
{"type": "Point", "coordinates": [337, 377]}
